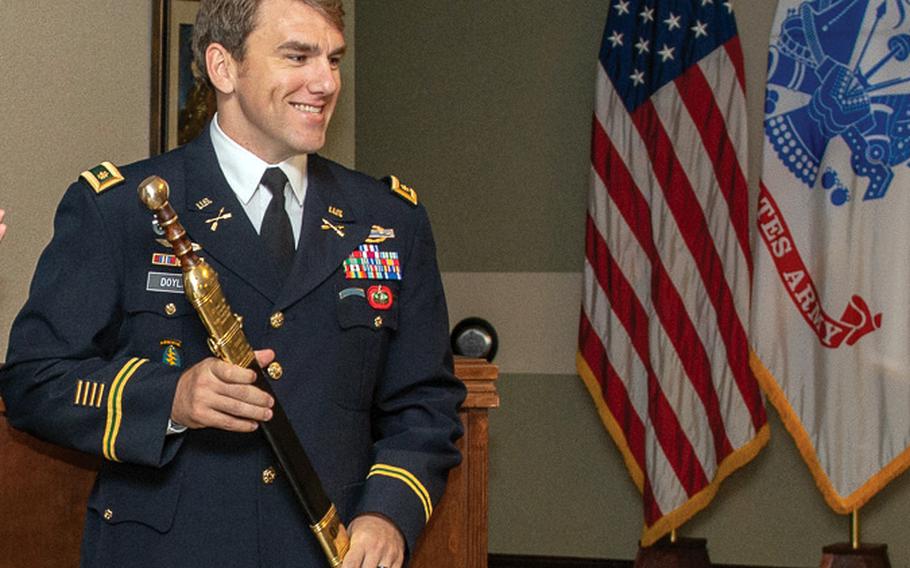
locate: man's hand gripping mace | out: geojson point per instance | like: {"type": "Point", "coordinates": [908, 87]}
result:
{"type": "Point", "coordinates": [228, 342]}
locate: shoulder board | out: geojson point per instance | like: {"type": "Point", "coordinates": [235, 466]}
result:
{"type": "Point", "coordinates": [401, 190]}
{"type": "Point", "coordinates": [103, 177]}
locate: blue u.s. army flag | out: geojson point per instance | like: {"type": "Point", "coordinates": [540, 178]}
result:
{"type": "Point", "coordinates": [831, 299]}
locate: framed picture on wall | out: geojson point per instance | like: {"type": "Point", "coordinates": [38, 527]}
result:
{"type": "Point", "coordinates": [180, 104]}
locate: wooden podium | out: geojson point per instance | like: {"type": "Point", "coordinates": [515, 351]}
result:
{"type": "Point", "coordinates": [44, 489]}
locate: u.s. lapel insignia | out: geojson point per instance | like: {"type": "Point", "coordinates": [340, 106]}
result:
{"type": "Point", "coordinates": [163, 259]}
{"type": "Point", "coordinates": [103, 177]}
{"type": "Point", "coordinates": [327, 225]}
{"type": "Point", "coordinates": [170, 354]}
{"type": "Point", "coordinates": [336, 212]}
{"type": "Point", "coordinates": [89, 394]}
{"type": "Point", "coordinates": [380, 297]}
{"type": "Point", "coordinates": [379, 234]}
{"type": "Point", "coordinates": [222, 216]}
{"type": "Point", "coordinates": [368, 262]}
{"type": "Point", "coordinates": [401, 190]}
{"type": "Point", "coordinates": [203, 203]}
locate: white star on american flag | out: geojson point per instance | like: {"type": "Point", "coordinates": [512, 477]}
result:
{"type": "Point", "coordinates": [615, 39]}
{"type": "Point", "coordinates": [647, 15]}
{"type": "Point", "coordinates": [666, 53]}
{"type": "Point", "coordinates": [700, 29]}
{"type": "Point", "coordinates": [638, 78]}
{"type": "Point", "coordinates": [729, 6]}
{"type": "Point", "coordinates": [622, 7]}
{"type": "Point", "coordinates": [643, 46]}
{"type": "Point", "coordinates": [672, 22]}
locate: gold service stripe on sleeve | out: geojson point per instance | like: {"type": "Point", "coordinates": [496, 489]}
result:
{"type": "Point", "coordinates": [408, 479]}
{"type": "Point", "coordinates": [115, 407]}
{"type": "Point", "coordinates": [78, 392]}
{"type": "Point", "coordinates": [91, 398]}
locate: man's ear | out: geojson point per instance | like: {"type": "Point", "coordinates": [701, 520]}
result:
{"type": "Point", "coordinates": [221, 67]}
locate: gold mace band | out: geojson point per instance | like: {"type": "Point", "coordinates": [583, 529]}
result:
{"type": "Point", "coordinates": [228, 342]}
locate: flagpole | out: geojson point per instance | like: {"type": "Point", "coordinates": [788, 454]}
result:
{"type": "Point", "coordinates": [854, 529]}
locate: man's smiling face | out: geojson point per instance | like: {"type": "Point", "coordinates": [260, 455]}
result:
{"type": "Point", "coordinates": [286, 87]}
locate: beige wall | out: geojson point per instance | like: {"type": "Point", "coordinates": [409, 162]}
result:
{"type": "Point", "coordinates": [484, 104]}
{"type": "Point", "coordinates": [75, 91]}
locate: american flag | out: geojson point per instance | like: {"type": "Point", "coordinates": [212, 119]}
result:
{"type": "Point", "coordinates": [662, 337]}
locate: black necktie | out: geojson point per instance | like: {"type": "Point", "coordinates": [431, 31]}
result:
{"type": "Point", "coordinates": [276, 232]}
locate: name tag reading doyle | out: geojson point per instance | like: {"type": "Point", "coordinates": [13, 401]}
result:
{"type": "Point", "coordinates": [164, 282]}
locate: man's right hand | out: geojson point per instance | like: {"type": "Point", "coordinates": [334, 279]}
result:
{"type": "Point", "coordinates": [216, 394]}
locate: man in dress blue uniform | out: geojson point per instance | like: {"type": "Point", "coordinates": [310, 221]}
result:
{"type": "Point", "coordinates": [108, 356]}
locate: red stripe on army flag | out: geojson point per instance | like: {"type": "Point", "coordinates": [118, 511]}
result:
{"type": "Point", "coordinates": [662, 340]}
{"type": "Point", "coordinates": [830, 302]}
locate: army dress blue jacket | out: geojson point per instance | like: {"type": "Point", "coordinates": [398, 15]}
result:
{"type": "Point", "coordinates": [96, 352]}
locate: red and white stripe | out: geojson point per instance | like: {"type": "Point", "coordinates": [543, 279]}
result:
{"type": "Point", "coordinates": [667, 278]}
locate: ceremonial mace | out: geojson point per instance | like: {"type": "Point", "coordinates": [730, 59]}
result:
{"type": "Point", "coordinates": [228, 342]}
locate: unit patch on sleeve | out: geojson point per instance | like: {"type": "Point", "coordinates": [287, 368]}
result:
{"type": "Point", "coordinates": [102, 177]}
{"type": "Point", "coordinates": [368, 262]}
{"type": "Point", "coordinates": [171, 353]}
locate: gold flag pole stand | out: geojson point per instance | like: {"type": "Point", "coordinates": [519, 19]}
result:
{"type": "Point", "coordinates": [855, 554]}
{"type": "Point", "coordinates": [674, 552]}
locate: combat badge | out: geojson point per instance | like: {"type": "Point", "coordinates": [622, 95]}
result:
{"type": "Point", "coordinates": [171, 354]}
{"type": "Point", "coordinates": [103, 177]}
{"type": "Point", "coordinates": [379, 234]}
{"type": "Point", "coordinates": [166, 244]}
{"type": "Point", "coordinates": [401, 190]}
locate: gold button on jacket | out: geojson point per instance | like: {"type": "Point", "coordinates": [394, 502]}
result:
{"type": "Point", "coordinates": [268, 475]}
{"type": "Point", "coordinates": [274, 370]}
{"type": "Point", "coordinates": [276, 320]}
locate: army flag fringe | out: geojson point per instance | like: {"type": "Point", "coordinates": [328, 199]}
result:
{"type": "Point", "coordinates": [662, 337]}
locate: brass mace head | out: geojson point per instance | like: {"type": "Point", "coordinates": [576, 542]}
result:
{"type": "Point", "coordinates": [154, 192]}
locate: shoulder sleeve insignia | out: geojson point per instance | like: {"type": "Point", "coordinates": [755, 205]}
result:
{"type": "Point", "coordinates": [401, 190]}
{"type": "Point", "coordinates": [102, 177]}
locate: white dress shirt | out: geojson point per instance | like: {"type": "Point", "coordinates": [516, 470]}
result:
{"type": "Point", "coordinates": [243, 171]}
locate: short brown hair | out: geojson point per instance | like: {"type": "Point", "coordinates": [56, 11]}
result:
{"type": "Point", "coordinates": [230, 22]}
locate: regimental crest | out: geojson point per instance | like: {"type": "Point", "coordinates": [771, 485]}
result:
{"type": "Point", "coordinates": [838, 74]}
